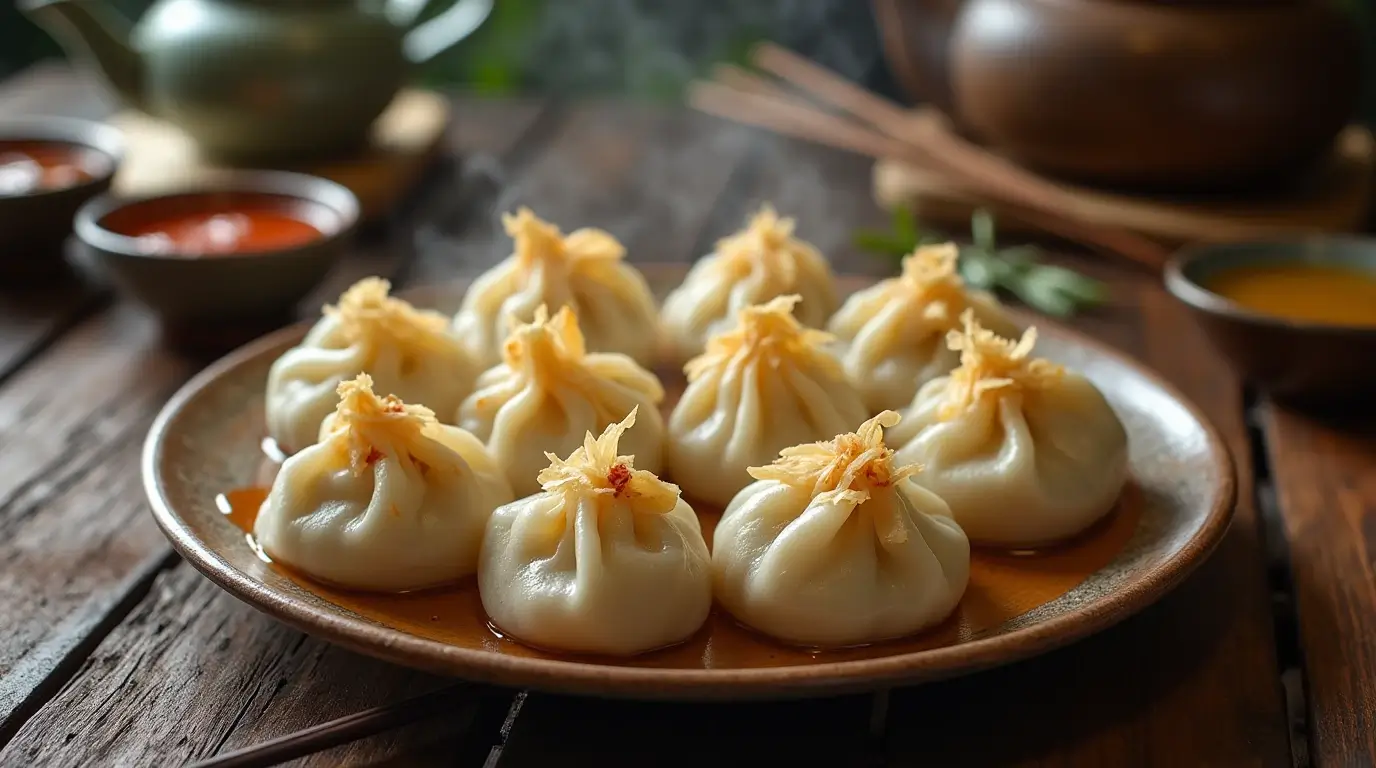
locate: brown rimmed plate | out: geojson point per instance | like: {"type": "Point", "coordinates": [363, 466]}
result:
{"type": "Point", "coordinates": [207, 440]}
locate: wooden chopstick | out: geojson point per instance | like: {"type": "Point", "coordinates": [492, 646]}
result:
{"type": "Point", "coordinates": [892, 120]}
{"type": "Point", "coordinates": [985, 173]}
{"type": "Point", "coordinates": [345, 729]}
{"type": "Point", "coordinates": [766, 107]}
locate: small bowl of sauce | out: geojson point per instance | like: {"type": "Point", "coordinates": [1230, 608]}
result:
{"type": "Point", "coordinates": [224, 261]}
{"type": "Point", "coordinates": [1297, 318]}
{"type": "Point", "coordinates": [49, 167]}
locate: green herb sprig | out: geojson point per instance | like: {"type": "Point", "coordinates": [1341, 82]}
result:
{"type": "Point", "coordinates": [1017, 270]}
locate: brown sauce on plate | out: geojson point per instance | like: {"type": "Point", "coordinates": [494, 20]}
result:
{"type": "Point", "coordinates": [1312, 293]}
{"type": "Point", "coordinates": [1003, 586]}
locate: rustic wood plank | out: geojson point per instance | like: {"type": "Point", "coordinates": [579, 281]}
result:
{"type": "Point", "coordinates": [1326, 487]}
{"type": "Point", "coordinates": [78, 551]}
{"type": "Point", "coordinates": [192, 672]}
{"type": "Point", "coordinates": [1193, 680]}
{"type": "Point", "coordinates": [75, 537]}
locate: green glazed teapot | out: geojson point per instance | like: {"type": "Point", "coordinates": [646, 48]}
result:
{"type": "Point", "coordinates": [254, 80]}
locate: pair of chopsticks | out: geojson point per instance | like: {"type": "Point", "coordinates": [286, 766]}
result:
{"type": "Point", "coordinates": [873, 126]}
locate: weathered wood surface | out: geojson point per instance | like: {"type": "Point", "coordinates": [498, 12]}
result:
{"type": "Point", "coordinates": [114, 652]}
{"type": "Point", "coordinates": [79, 551]}
{"type": "Point", "coordinates": [1325, 476]}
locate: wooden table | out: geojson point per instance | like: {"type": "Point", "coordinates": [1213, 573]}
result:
{"type": "Point", "coordinates": [113, 651]}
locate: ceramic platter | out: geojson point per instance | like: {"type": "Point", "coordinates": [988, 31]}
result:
{"type": "Point", "coordinates": [207, 441]}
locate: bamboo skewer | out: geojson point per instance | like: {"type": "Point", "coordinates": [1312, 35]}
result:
{"type": "Point", "coordinates": [892, 120]}
{"type": "Point", "coordinates": [888, 132]}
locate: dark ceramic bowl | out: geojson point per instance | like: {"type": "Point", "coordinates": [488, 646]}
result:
{"type": "Point", "coordinates": [213, 300]}
{"type": "Point", "coordinates": [1307, 363]}
{"type": "Point", "coordinates": [35, 224]}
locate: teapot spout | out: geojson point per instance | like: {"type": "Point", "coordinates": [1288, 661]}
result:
{"type": "Point", "coordinates": [93, 32]}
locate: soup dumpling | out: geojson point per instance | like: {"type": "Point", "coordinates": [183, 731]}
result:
{"type": "Point", "coordinates": [893, 334]}
{"type": "Point", "coordinates": [835, 545]}
{"type": "Point", "coordinates": [408, 352]}
{"type": "Point", "coordinates": [389, 500]}
{"type": "Point", "coordinates": [584, 271]}
{"type": "Point", "coordinates": [550, 391]}
{"type": "Point", "coordinates": [606, 559]}
{"type": "Point", "coordinates": [765, 385]}
{"type": "Point", "coordinates": [757, 264]}
{"type": "Point", "coordinates": [1024, 451]}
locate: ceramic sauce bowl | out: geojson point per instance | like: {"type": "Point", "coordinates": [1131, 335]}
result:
{"type": "Point", "coordinates": [1317, 346]}
{"type": "Point", "coordinates": [225, 259]}
{"type": "Point", "coordinates": [49, 167]}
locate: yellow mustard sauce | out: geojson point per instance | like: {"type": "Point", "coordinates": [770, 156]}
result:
{"type": "Point", "coordinates": [1307, 292]}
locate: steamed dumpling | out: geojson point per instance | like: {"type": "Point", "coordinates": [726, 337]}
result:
{"type": "Point", "coordinates": [550, 391]}
{"type": "Point", "coordinates": [390, 500]}
{"type": "Point", "coordinates": [761, 387]}
{"type": "Point", "coordinates": [1024, 451]}
{"type": "Point", "coordinates": [408, 352]}
{"type": "Point", "coordinates": [584, 271]}
{"type": "Point", "coordinates": [753, 266]}
{"type": "Point", "coordinates": [606, 559]}
{"type": "Point", "coordinates": [835, 546]}
{"type": "Point", "coordinates": [894, 333]}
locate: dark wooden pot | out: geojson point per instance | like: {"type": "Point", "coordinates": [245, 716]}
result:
{"type": "Point", "coordinates": [1144, 94]}
{"type": "Point", "coordinates": [915, 35]}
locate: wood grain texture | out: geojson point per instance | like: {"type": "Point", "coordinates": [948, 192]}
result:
{"type": "Point", "coordinates": [191, 672]}
{"type": "Point", "coordinates": [1326, 486]}
{"type": "Point", "coordinates": [75, 535]}
{"type": "Point", "coordinates": [31, 319]}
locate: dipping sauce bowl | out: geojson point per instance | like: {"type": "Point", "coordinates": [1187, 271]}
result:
{"type": "Point", "coordinates": [1297, 318]}
{"type": "Point", "coordinates": [49, 167]}
{"type": "Point", "coordinates": [221, 262]}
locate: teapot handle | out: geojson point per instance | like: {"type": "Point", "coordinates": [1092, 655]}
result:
{"type": "Point", "coordinates": [445, 30]}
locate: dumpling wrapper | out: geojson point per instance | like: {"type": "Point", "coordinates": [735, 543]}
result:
{"type": "Point", "coordinates": [550, 391]}
{"type": "Point", "coordinates": [607, 559]}
{"type": "Point", "coordinates": [389, 500]}
{"type": "Point", "coordinates": [585, 271]}
{"type": "Point", "coordinates": [835, 546]}
{"type": "Point", "coordinates": [893, 334]}
{"type": "Point", "coordinates": [1024, 452]}
{"type": "Point", "coordinates": [408, 353]}
{"type": "Point", "coordinates": [765, 385]}
{"type": "Point", "coordinates": [759, 263]}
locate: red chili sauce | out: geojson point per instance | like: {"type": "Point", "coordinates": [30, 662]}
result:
{"type": "Point", "coordinates": [41, 166]}
{"type": "Point", "coordinates": [221, 223]}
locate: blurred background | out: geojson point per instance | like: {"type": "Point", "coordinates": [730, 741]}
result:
{"type": "Point", "coordinates": [641, 49]}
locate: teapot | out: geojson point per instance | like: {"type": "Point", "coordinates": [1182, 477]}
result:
{"type": "Point", "coordinates": [253, 80]}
